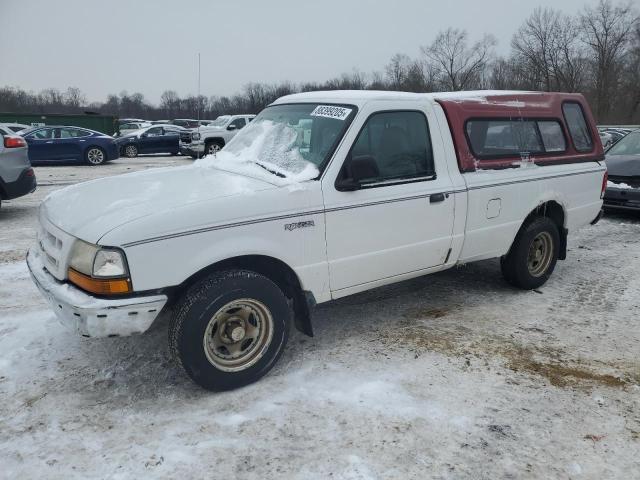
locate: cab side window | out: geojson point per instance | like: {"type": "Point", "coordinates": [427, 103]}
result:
{"type": "Point", "coordinates": [238, 123]}
{"type": "Point", "coordinates": [577, 124]}
{"type": "Point", "coordinates": [397, 143]}
{"type": "Point", "coordinates": [155, 132]}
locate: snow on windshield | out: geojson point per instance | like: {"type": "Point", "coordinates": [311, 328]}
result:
{"type": "Point", "coordinates": [266, 150]}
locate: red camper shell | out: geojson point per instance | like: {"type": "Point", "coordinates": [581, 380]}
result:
{"type": "Point", "coordinates": [497, 129]}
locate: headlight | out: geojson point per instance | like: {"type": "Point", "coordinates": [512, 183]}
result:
{"type": "Point", "coordinates": [195, 136]}
{"type": "Point", "coordinates": [82, 256]}
{"type": "Point", "coordinates": [109, 263]}
{"type": "Point", "coordinates": [98, 270]}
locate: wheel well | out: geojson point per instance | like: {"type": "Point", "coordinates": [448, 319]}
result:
{"type": "Point", "coordinates": [86, 150]}
{"type": "Point", "coordinates": [217, 140]}
{"type": "Point", "coordinates": [554, 211]}
{"type": "Point", "coordinates": [278, 272]}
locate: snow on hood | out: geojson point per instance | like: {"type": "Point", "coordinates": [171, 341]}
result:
{"type": "Point", "coordinates": [264, 150]}
{"type": "Point", "coordinates": [89, 210]}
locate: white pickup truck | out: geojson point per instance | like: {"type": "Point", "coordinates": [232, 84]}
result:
{"type": "Point", "coordinates": [209, 139]}
{"type": "Point", "coordinates": [323, 195]}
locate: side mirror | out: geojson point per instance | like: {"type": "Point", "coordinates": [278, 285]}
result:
{"type": "Point", "coordinates": [232, 127]}
{"type": "Point", "coordinates": [357, 170]}
{"type": "Point", "coordinates": [144, 135]}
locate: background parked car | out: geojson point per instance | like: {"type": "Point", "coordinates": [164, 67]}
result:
{"type": "Point", "coordinates": [129, 127]}
{"type": "Point", "coordinates": [623, 164]}
{"type": "Point", "coordinates": [210, 139]}
{"type": "Point", "coordinates": [6, 130]}
{"type": "Point", "coordinates": [16, 175]}
{"type": "Point", "coordinates": [153, 139]}
{"type": "Point", "coordinates": [14, 127]}
{"type": "Point", "coordinates": [606, 139]}
{"type": "Point", "coordinates": [69, 144]}
{"type": "Point", "coordinates": [617, 133]}
{"type": "Point", "coordinates": [185, 122]}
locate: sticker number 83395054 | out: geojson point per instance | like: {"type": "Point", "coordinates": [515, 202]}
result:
{"type": "Point", "coordinates": [329, 111]}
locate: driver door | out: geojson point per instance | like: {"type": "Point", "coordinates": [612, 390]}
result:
{"type": "Point", "coordinates": [398, 221]}
{"type": "Point", "coordinates": [151, 140]}
{"type": "Point", "coordinates": [40, 144]}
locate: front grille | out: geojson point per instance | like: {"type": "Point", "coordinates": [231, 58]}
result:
{"type": "Point", "coordinates": [185, 137]}
{"type": "Point", "coordinates": [55, 245]}
{"type": "Point", "coordinates": [52, 248]}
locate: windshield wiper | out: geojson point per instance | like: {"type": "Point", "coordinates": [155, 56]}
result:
{"type": "Point", "coordinates": [277, 174]}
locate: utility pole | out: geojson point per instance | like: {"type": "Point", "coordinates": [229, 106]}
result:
{"type": "Point", "coordinates": [198, 90]}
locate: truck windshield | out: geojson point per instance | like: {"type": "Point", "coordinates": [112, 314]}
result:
{"type": "Point", "coordinates": [291, 142]}
{"type": "Point", "coordinates": [220, 121]}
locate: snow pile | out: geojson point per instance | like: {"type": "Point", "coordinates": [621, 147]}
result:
{"type": "Point", "coordinates": [265, 150]}
{"type": "Point", "coordinates": [622, 186]}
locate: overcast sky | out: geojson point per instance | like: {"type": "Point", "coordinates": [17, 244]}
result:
{"type": "Point", "coordinates": [148, 46]}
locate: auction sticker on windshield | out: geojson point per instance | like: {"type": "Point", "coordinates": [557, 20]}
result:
{"type": "Point", "coordinates": [339, 113]}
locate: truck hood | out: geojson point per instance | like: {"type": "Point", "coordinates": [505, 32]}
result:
{"type": "Point", "coordinates": [91, 209]}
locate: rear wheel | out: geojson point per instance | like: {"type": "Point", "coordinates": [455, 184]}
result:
{"type": "Point", "coordinates": [533, 255]}
{"type": "Point", "coordinates": [95, 156]}
{"type": "Point", "coordinates": [230, 329]}
{"type": "Point", "coordinates": [131, 151]}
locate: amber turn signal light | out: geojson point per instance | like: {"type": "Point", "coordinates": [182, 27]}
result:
{"type": "Point", "coordinates": [100, 286]}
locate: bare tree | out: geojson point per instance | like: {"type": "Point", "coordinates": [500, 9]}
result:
{"type": "Point", "coordinates": [607, 30]}
{"type": "Point", "coordinates": [169, 103]}
{"type": "Point", "coordinates": [457, 65]}
{"type": "Point", "coordinates": [547, 51]}
{"type": "Point", "coordinates": [397, 70]}
{"type": "Point", "coordinates": [630, 83]}
{"type": "Point", "coordinates": [74, 97]}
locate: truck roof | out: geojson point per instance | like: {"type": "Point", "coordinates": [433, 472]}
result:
{"type": "Point", "coordinates": [488, 105]}
{"type": "Point", "coordinates": [472, 97]}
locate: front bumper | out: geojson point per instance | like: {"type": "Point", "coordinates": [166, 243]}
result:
{"type": "Point", "coordinates": [194, 149]}
{"type": "Point", "coordinates": [91, 316]}
{"type": "Point", "coordinates": [622, 198]}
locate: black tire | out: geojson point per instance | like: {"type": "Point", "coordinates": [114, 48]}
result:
{"type": "Point", "coordinates": [523, 271]}
{"type": "Point", "coordinates": [194, 157]}
{"type": "Point", "coordinates": [212, 147]}
{"type": "Point", "coordinates": [95, 156]}
{"type": "Point", "coordinates": [130, 151]}
{"type": "Point", "coordinates": [195, 313]}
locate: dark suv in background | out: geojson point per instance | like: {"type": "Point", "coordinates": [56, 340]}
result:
{"type": "Point", "coordinates": [16, 175]}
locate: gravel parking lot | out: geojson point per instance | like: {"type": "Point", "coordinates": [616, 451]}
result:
{"type": "Point", "coordinates": [453, 375]}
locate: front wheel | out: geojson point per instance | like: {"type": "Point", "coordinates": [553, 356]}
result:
{"type": "Point", "coordinates": [230, 329]}
{"type": "Point", "coordinates": [130, 151]}
{"type": "Point", "coordinates": [533, 255]}
{"type": "Point", "coordinates": [213, 148]}
{"type": "Point", "coordinates": [95, 156]}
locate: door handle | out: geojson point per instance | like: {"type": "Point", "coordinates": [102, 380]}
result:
{"type": "Point", "coordinates": [50, 141]}
{"type": "Point", "coordinates": [436, 198]}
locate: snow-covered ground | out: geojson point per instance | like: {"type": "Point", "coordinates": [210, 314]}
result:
{"type": "Point", "coordinates": [453, 375]}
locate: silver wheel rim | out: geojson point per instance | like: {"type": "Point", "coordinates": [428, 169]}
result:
{"type": "Point", "coordinates": [540, 254]}
{"type": "Point", "coordinates": [95, 156]}
{"type": "Point", "coordinates": [213, 149]}
{"type": "Point", "coordinates": [238, 335]}
{"type": "Point", "coordinates": [130, 151]}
